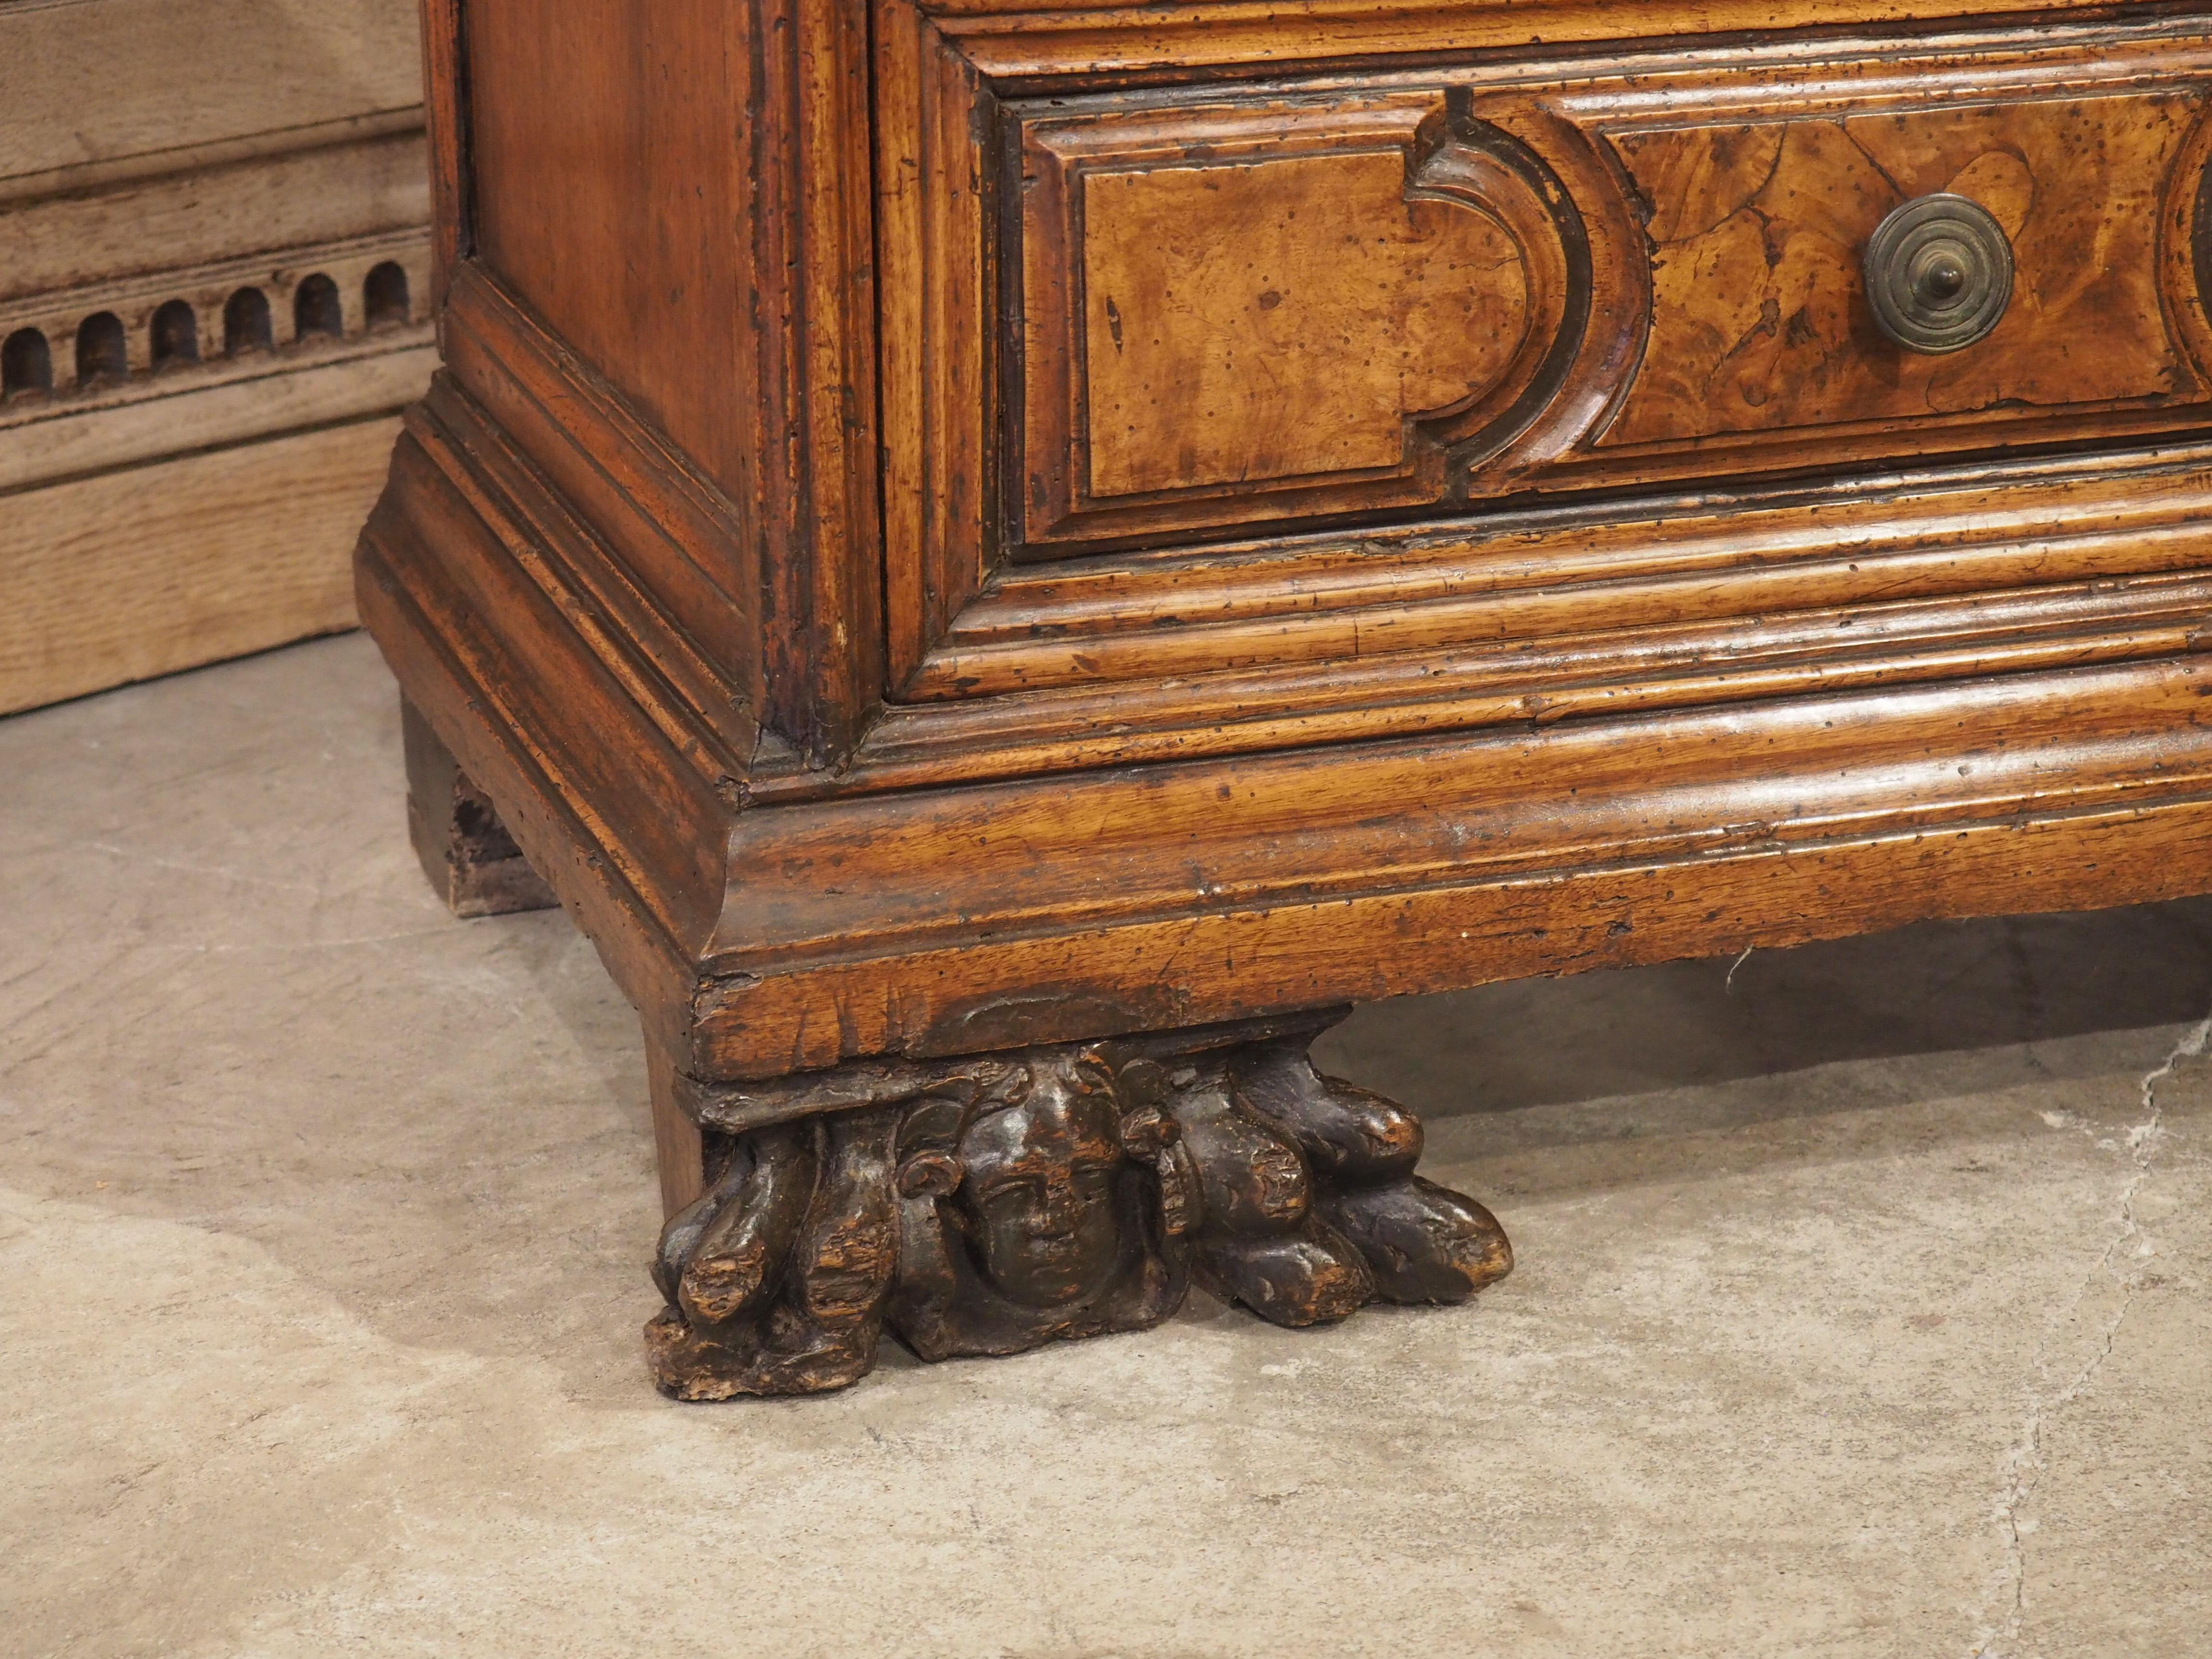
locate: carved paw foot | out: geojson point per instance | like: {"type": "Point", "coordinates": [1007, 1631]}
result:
{"type": "Point", "coordinates": [1422, 1241]}
{"type": "Point", "coordinates": [988, 1204]}
{"type": "Point", "coordinates": [776, 1277]}
{"type": "Point", "coordinates": [1310, 1207]}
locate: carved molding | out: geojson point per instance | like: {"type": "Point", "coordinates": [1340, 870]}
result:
{"type": "Point", "coordinates": [1026, 39]}
{"type": "Point", "coordinates": [1343, 300]}
{"type": "Point", "coordinates": [989, 1204]}
{"type": "Point", "coordinates": [1487, 169]}
{"type": "Point", "coordinates": [989, 129]}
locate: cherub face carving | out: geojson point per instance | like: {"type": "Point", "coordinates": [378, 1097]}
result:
{"type": "Point", "coordinates": [1037, 1192]}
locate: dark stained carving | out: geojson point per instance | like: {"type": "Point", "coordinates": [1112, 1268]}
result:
{"type": "Point", "coordinates": [987, 1206]}
{"type": "Point", "coordinates": [1034, 1210]}
{"type": "Point", "coordinates": [1336, 1191]}
{"type": "Point", "coordinates": [776, 1277]}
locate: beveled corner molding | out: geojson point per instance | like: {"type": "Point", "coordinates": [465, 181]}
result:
{"type": "Point", "coordinates": [996, 1202]}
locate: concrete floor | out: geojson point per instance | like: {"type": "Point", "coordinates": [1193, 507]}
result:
{"type": "Point", "coordinates": [1861, 1306]}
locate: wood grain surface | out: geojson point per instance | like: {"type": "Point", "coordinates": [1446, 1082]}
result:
{"type": "Point", "coordinates": [1018, 40]}
{"type": "Point", "coordinates": [1330, 294]}
{"type": "Point", "coordinates": [100, 89]}
{"type": "Point", "coordinates": [1318, 314]}
{"type": "Point", "coordinates": [1757, 316]}
{"type": "Point", "coordinates": [171, 170]}
{"type": "Point", "coordinates": [134, 572]}
{"type": "Point", "coordinates": [1657, 211]}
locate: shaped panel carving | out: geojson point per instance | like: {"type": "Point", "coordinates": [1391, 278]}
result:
{"type": "Point", "coordinates": [1184, 320]}
{"type": "Point", "coordinates": [1205, 289]}
{"type": "Point", "coordinates": [1244, 311]}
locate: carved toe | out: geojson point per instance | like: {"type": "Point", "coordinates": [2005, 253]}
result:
{"type": "Point", "coordinates": [1310, 1277]}
{"type": "Point", "coordinates": [689, 1363]}
{"type": "Point", "coordinates": [1422, 1241]}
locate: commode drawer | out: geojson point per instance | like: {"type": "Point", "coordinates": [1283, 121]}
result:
{"type": "Point", "coordinates": [1193, 306]}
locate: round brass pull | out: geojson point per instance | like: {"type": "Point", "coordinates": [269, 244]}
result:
{"type": "Point", "coordinates": [1938, 273]}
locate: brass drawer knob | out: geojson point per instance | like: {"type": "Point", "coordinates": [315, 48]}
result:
{"type": "Point", "coordinates": [1938, 273]}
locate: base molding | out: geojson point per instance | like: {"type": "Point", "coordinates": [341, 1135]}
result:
{"type": "Point", "coordinates": [957, 914]}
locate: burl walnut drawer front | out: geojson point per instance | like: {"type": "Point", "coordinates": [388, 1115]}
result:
{"type": "Point", "coordinates": [1174, 310]}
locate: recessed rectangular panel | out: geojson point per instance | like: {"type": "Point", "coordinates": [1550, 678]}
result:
{"type": "Point", "coordinates": [1229, 334]}
{"type": "Point", "coordinates": [1391, 299]}
{"type": "Point", "coordinates": [1178, 323]}
{"type": "Point", "coordinates": [1271, 308]}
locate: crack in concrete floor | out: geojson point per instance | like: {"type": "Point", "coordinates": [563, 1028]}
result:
{"type": "Point", "coordinates": [2026, 1464]}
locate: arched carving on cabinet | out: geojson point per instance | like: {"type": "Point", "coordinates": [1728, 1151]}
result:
{"type": "Point", "coordinates": [27, 365]}
{"type": "Point", "coordinates": [2184, 223]}
{"type": "Point", "coordinates": [175, 334]}
{"type": "Point", "coordinates": [317, 309]}
{"type": "Point", "coordinates": [102, 350]}
{"type": "Point", "coordinates": [1484, 168]}
{"type": "Point", "coordinates": [246, 323]}
{"type": "Point", "coordinates": [1597, 371]}
{"type": "Point", "coordinates": [383, 296]}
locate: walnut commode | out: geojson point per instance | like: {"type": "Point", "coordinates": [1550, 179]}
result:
{"type": "Point", "coordinates": [1007, 560]}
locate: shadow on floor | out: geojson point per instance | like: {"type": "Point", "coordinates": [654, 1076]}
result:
{"type": "Point", "coordinates": [2034, 986]}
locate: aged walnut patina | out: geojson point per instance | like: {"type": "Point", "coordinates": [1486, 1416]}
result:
{"type": "Point", "coordinates": [999, 554]}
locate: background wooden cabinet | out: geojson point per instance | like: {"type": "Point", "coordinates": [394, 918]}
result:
{"type": "Point", "coordinates": [213, 266]}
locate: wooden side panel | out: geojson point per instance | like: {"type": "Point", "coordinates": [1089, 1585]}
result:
{"type": "Point", "coordinates": [681, 193]}
{"type": "Point", "coordinates": [445, 111]}
{"type": "Point", "coordinates": [1757, 322]}
{"type": "Point", "coordinates": [603, 162]}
